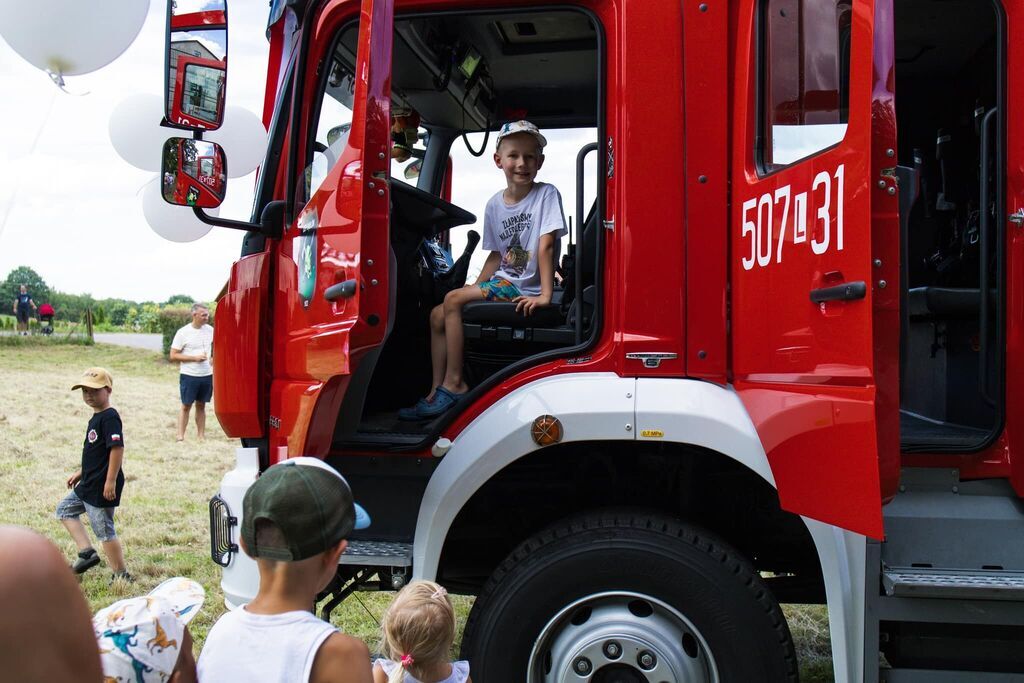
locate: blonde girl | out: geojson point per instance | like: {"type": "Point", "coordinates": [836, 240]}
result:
{"type": "Point", "coordinates": [416, 635]}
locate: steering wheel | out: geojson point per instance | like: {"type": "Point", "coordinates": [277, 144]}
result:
{"type": "Point", "coordinates": [427, 214]}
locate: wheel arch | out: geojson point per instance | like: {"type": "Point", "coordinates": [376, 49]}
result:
{"type": "Point", "coordinates": [658, 418]}
{"type": "Point", "coordinates": [700, 428]}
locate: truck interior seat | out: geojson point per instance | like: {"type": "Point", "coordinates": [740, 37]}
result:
{"type": "Point", "coordinates": [496, 335]}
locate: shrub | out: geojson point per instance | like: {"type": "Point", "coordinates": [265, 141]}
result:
{"type": "Point", "coordinates": [16, 340]}
{"type": "Point", "coordinates": [170, 320]}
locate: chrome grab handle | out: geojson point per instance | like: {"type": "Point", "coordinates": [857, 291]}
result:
{"type": "Point", "coordinates": [1017, 217]}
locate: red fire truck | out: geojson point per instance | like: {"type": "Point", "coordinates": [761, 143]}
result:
{"type": "Point", "coordinates": [781, 367]}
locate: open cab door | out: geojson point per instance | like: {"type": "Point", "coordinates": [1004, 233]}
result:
{"type": "Point", "coordinates": [332, 297]}
{"type": "Point", "coordinates": [815, 252]}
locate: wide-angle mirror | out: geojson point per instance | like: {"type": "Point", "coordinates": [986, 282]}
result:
{"type": "Point", "coordinates": [193, 173]}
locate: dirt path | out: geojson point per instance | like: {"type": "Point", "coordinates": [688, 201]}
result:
{"type": "Point", "coordinates": [150, 342]}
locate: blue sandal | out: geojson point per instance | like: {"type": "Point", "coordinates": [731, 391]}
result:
{"type": "Point", "coordinates": [424, 410]}
{"type": "Point", "coordinates": [443, 401]}
{"type": "Point", "coordinates": [412, 412]}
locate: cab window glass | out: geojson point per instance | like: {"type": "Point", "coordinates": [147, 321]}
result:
{"type": "Point", "coordinates": [332, 126]}
{"type": "Point", "coordinates": [203, 91]}
{"type": "Point", "coordinates": [805, 62]}
{"type": "Point", "coordinates": [408, 143]}
{"type": "Point", "coordinates": [409, 137]}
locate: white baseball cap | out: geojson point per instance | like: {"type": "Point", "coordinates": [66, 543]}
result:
{"type": "Point", "coordinates": [521, 126]}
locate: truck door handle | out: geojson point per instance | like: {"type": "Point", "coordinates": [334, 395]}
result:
{"type": "Point", "coordinates": [848, 291]}
{"type": "Point", "coordinates": [342, 290]}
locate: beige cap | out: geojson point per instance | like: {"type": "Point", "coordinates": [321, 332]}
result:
{"type": "Point", "coordinates": [95, 378]}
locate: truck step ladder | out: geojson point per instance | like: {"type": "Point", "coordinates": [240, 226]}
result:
{"type": "Point", "coordinates": [377, 554]}
{"type": "Point", "coordinates": [389, 561]}
{"type": "Point", "coordinates": [917, 582]}
{"type": "Point", "coordinates": [944, 592]}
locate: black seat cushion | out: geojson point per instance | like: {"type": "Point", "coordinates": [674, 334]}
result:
{"type": "Point", "coordinates": [946, 302]}
{"type": "Point", "coordinates": [504, 313]}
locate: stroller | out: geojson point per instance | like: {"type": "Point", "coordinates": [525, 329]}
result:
{"type": "Point", "coordinates": [46, 314]}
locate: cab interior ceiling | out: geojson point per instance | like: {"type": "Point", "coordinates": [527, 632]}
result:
{"type": "Point", "coordinates": [538, 65]}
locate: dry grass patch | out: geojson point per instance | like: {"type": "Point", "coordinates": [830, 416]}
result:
{"type": "Point", "coordinates": [163, 520]}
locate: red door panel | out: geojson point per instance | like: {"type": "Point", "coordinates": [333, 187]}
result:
{"type": "Point", "coordinates": [341, 235]}
{"type": "Point", "coordinates": [237, 369]}
{"type": "Point", "coordinates": [804, 194]}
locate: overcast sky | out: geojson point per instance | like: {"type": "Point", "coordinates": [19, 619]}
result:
{"type": "Point", "coordinates": [71, 208]}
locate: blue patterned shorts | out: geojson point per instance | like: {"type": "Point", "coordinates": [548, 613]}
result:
{"type": "Point", "coordinates": [499, 289]}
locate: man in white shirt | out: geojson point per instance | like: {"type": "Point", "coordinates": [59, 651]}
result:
{"type": "Point", "coordinates": [193, 348]}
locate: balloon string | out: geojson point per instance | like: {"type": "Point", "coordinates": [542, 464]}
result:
{"type": "Point", "coordinates": [58, 79]}
{"type": "Point", "coordinates": [17, 180]}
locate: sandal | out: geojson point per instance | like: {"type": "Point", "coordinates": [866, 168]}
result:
{"type": "Point", "coordinates": [413, 412]}
{"type": "Point", "coordinates": [443, 401]}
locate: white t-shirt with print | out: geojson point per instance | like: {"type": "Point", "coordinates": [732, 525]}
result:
{"type": "Point", "coordinates": [192, 341]}
{"type": "Point", "coordinates": [514, 231]}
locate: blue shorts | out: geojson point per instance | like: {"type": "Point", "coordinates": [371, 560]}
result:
{"type": "Point", "coordinates": [195, 389]}
{"type": "Point", "coordinates": [100, 519]}
{"type": "Point", "coordinates": [499, 289]}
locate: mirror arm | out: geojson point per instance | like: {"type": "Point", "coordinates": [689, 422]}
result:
{"type": "Point", "coordinates": [271, 220]}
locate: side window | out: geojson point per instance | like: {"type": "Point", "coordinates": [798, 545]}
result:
{"type": "Point", "coordinates": [409, 140]}
{"type": "Point", "coordinates": [805, 78]}
{"type": "Point", "coordinates": [332, 126]}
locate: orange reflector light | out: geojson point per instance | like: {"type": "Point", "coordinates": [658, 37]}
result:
{"type": "Point", "coordinates": [547, 429]}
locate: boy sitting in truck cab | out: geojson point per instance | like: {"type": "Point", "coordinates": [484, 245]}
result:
{"type": "Point", "coordinates": [522, 226]}
{"type": "Point", "coordinates": [295, 521]}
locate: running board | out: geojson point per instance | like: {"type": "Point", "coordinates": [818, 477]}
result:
{"type": "Point", "coordinates": [377, 554]}
{"type": "Point", "coordinates": [367, 566]}
{"type": "Point", "coordinates": [915, 582]}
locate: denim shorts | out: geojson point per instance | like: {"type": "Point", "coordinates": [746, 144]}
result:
{"type": "Point", "coordinates": [195, 389]}
{"type": "Point", "coordinates": [100, 519]}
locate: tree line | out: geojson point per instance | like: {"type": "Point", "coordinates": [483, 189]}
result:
{"type": "Point", "coordinates": [110, 313]}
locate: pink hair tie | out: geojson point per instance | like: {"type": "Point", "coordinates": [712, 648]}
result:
{"type": "Point", "coordinates": [439, 593]}
{"type": "Point", "coordinates": [407, 661]}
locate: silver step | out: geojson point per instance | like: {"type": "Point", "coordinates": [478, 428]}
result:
{"type": "Point", "coordinates": [914, 582]}
{"type": "Point", "coordinates": [377, 554]}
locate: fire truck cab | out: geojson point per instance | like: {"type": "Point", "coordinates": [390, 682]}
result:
{"type": "Point", "coordinates": [780, 367]}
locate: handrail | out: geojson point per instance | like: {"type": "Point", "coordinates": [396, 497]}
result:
{"type": "Point", "coordinates": [984, 228]}
{"type": "Point", "coordinates": [581, 228]}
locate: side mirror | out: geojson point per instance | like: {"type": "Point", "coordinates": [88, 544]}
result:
{"type": "Point", "coordinates": [193, 173]}
{"type": "Point", "coordinates": [412, 171]}
{"type": "Point", "coordinates": [197, 63]}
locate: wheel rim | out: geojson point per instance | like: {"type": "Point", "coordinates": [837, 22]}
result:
{"type": "Point", "coordinates": [621, 637]}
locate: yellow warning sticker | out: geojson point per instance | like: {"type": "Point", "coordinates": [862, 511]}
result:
{"type": "Point", "coordinates": [652, 433]}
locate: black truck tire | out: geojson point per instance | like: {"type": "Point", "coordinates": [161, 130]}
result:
{"type": "Point", "coordinates": [679, 597]}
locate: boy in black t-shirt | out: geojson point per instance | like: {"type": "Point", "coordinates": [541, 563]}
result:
{"type": "Point", "coordinates": [96, 487]}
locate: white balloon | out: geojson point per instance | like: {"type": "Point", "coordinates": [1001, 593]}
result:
{"type": "Point", "coordinates": [243, 138]}
{"type": "Point", "coordinates": [174, 223]}
{"type": "Point", "coordinates": [135, 130]}
{"type": "Point", "coordinates": [71, 37]}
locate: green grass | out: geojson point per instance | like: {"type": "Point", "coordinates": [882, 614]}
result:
{"type": "Point", "coordinates": [163, 520]}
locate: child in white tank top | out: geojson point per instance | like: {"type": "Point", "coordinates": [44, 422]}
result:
{"type": "Point", "coordinates": [417, 633]}
{"type": "Point", "coordinates": [295, 519]}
